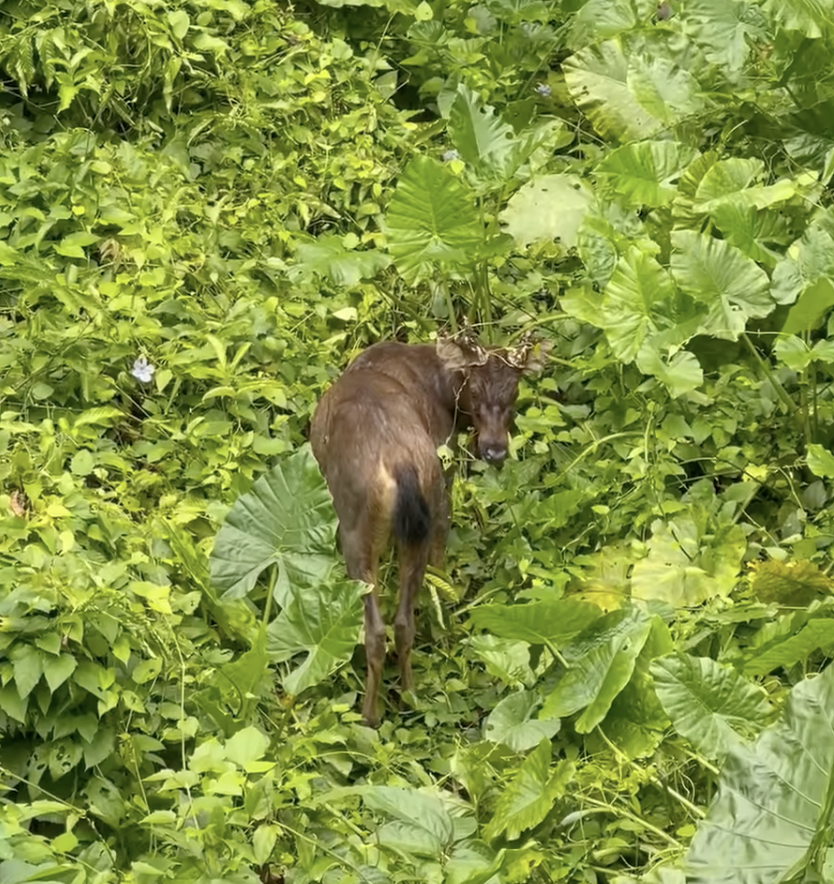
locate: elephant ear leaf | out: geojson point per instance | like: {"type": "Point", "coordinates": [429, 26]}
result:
{"type": "Point", "coordinates": [771, 813]}
{"type": "Point", "coordinates": [286, 519]}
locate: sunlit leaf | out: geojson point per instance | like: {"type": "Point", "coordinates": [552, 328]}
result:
{"type": "Point", "coordinates": [686, 564]}
{"type": "Point", "coordinates": [547, 209]}
{"type": "Point", "coordinates": [598, 79]}
{"type": "Point", "coordinates": [644, 173]}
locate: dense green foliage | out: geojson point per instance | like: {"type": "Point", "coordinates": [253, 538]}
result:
{"type": "Point", "coordinates": [207, 207]}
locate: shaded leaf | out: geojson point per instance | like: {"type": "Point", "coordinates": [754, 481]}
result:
{"type": "Point", "coordinates": [773, 797]}
{"type": "Point", "coordinates": [529, 796]}
{"type": "Point", "coordinates": [600, 662]}
{"type": "Point", "coordinates": [709, 704]}
{"type": "Point", "coordinates": [322, 621]}
{"type": "Point", "coordinates": [286, 519]}
{"type": "Point", "coordinates": [537, 622]}
{"type": "Point", "coordinates": [511, 722]}
{"type": "Point", "coordinates": [431, 220]}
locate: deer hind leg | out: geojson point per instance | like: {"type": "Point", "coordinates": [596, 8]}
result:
{"type": "Point", "coordinates": [412, 559]}
{"type": "Point", "coordinates": [361, 552]}
{"type": "Point", "coordinates": [440, 529]}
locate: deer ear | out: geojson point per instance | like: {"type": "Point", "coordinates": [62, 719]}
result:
{"type": "Point", "coordinates": [459, 355]}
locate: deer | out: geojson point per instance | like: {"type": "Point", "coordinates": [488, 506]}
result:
{"type": "Point", "coordinates": [375, 434]}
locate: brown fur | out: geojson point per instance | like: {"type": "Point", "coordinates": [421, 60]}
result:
{"type": "Point", "coordinates": [384, 418]}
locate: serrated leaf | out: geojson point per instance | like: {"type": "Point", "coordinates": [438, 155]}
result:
{"type": "Point", "coordinates": [709, 704]}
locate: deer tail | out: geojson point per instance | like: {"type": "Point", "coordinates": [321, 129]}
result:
{"type": "Point", "coordinates": [412, 518]}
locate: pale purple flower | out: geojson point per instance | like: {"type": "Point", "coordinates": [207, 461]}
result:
{"type": "Point", "coordinates": [142, 370]}
{"type": "Point", "coordinates": [543, 89]}
{"type": "Point", "coordinates": [450, 155]}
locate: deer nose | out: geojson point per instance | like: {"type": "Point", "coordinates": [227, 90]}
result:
{"type": "Point", "coordinates": [494, 452]}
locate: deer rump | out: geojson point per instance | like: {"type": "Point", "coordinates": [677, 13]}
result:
{"type": "Point", "coordinates": [379, 457]}
{"type": "Point", "coordinates": [375, 434]}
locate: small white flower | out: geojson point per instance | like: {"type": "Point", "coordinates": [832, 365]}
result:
{"type": "Point", "coordinates": [450, 155]}
{"type": "Point", "coordinates": [543, 89]}
{"type": "Point", "coordinates": [142, 370]}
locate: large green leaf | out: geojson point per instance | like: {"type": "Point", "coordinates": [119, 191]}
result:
{"type": "Point", "coordinates": [728, 182]}
{"type": "Point", "coordinates": [636, 299]}
{"type": "Point", "coordinates": [809, 261]}
{"type": "Point", "coordinates": [609, 231]}
{"type": "Point", "coordinates": [771, 818]}
{"type": "Point", "coordinates": [321, 621]}
{"type": "Point", "coordinates": [602, 19]}
{"type": "Point", "coordinates": [598, 81]}
{"type": "Point", "coordinates": [814, 18]}
{"type": "Point", "coordinates": [636, 722]}
{"type": "Point", "coordinates": [786, 642]}
{"type": "Point", "coordinates": [484, 141]}
{"type": "Point", "coordinates": [680, 373]}
{"type": "Point", "coordinates": [529, 796]}
{"type": "Point", "coordinates": [600, 662]}
{"type": "Point", "coordinates": [643, 174]}
{"type": "Point", "coordinates": [537, 622]}
{"type": "Point", "coordinates": [687, 564]}
{"type": "Point", "coordinates": [431, 220]}
{"type": "Point", "coordinates": [421, 824]}
{"type": "Point", "coordinates": [547, 209]}
{"type": "Point", "coordinates": [725, 29]}
{"type": "Point", "coordinates": [709, 704]}
{"type": "Point", "coordinates": [512, 724]}
{"type": "Point", "coordinates": [752, 231]}
{"type": "Point", "coordinates": [667, 91]}
{"type": "Point", "coordinates": [328, 258]}
{"type": "Point", "coordinates": [733, 287]}
{"type": "Point", "coordinates": [286, 519]}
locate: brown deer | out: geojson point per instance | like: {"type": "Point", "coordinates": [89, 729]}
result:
{"type": "Point", "coordinates": [375, 434]}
